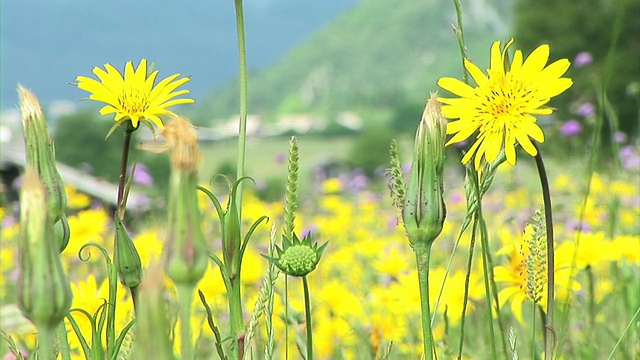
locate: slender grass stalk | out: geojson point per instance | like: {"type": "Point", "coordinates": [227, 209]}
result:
{"type": "Point", "coordinates": [624, 333]}
{"type": "Point", "coordinates": [533, 330]}
{"type": "Point", "coordinates": [184, 305]}
{"type": "Point", "coordinates": [494, 288]}
{"type": "Point", "coordinates": [467, 279]}
{"type": "Point", "coordinates": [423, 256]}
{"type": "Point", "coordinates": [484, 240]}
{"type": "Point", "coordinates": [307, 311]}
{"type": "Point", "coordinates": [595, 146]}
{"type": "Point", "coordinates": [242, 136]}
{"type": "Point", "coordinates": [591, 305]}
{"type": "Point", "coordinates": [460, 36]}
{"type": "Point", "coordinates": [548, 217]}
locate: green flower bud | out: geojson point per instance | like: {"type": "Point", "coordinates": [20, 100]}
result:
{"type": "Point", "coordinates": [185, 251]}
{"type": "Point", "coordinates": [127, 259]}
{"type": "Point", "coordinates": [40, 152]}
{"type": "Point", "coordinates": [62, 232]}
{"type": "Point", "coordinates": [297, 258]}
{"type": "Point", "coordinates": [424, 209]}
{"type": "Point", "coordinates": [44, 291]}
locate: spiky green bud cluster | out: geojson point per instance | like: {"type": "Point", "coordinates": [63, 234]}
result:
{"type": "Point", "coordinates": [297, 258]}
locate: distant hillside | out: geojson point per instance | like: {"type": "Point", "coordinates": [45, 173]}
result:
{"type": "Point", "coordinates": [379, 54]}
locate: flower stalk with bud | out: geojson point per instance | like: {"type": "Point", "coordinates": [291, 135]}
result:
{"type": "Point", "coordinates": [185, 252]}
{"type": "Point", "coordinates": [44, 290]}
{"type": "Point", "coordinates": [299, 258]}
{"type": "Point", "coordinates": [422, 201]}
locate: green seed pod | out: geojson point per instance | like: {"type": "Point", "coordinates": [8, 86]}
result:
{"type": "Point", "coordinates": [62, 232]}
{"type": "Point", "coordinates": [185, 251]}
{"type": "Point", "coordinates": [44, 291]}
{"type": "Point", "coordinates": [40, 152]}
{"type": "Point", "coordinates": [127, 259]}
{"type": "Point", "coordinates": [424, 209]}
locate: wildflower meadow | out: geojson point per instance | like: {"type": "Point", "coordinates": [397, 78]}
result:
{"type": "Point", "coordinates": [482, 238]}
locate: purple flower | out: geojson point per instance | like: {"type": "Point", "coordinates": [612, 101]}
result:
{"type": "Point", "coordinates": [630, 158]}
{"type": "Point", "coordinates": [281, 158]}
{"type": "Point", "coordinates": [620, 137]}
{"type": "Point", "coordinates": [583, 59]}
{"type": "Point", "coordinates": [571, 128]}
{"type": "Point", "coordinates": [142, 175]}
{"type": "Point", "coordinates": [586, 110]}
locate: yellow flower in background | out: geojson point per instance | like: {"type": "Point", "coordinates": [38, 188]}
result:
{"type": "Point", "coordinates": [502, 106]}
{"type": "Point", "coordinates": [135, 95]}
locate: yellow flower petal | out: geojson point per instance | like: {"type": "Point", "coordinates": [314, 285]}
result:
{"type": "Point", "coordinates": [134, 94]}
{"type": "Point", "coordinates": [501, 108]}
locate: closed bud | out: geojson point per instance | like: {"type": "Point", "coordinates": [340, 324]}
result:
{"type": "Point", "coordinates": [44, 291]}
{"type": "Point", "coordinates": [127, 259]}
{"type": "Point", "coordinates": [185, 251]}
{"type": "Point", "coordinates": [424, 210]}
{"type": "Point", "coordinates": [40, 152]}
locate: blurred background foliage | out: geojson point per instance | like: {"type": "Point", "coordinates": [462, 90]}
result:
{"type": "Point", "coordinates": [574, 27]}
{"type": "Point", "coordinates": [379, 61]}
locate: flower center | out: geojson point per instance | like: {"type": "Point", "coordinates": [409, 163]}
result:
{"type": "Point", "coordinates": [133, 101]}
{"type": "Point", "coordinates": [504, 102]}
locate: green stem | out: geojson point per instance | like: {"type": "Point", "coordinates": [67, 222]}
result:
{"type": "Point", "coordinates": [63, 341]}
{"type": "Point", "coordinates": [236, 319]}
{"type": "Point", "coordinates": [286, 317]}
{"type": "Point", "coordinates": [185, 294]}
{"type": "Point", "coordinates": [466, 287]}
{"type": "Point", "coordinates": [242, 137]}
{"type": "Point", "coordinates": [533, 330]}
{"type": "Point", "coordinates": [460, 35]}
{"type": "Point", "coordinates": [548, 217]}
{"type": "Point", "coordinates": [307, 310]}
{"type": "Point", "coordinates": [423, 255]}
{"type": "Point", "coordinates": [45, 342]}
{"type": "Point", "coordinates": [592, 303]}
{"type": "Point", "coordinates": [485, 264]}
{"type": "Point", "coordinates": [122, 202]}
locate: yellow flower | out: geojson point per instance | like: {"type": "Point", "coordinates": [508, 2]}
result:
{"type": "Point", "coordinates": [134, 96]}
{"type": "Point", "coordinates": [502, 106]}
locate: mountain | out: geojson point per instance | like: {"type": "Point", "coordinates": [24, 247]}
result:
{"type": "Point", "coordinates": [378, 54]}
{"type": "Point", "coordinates": [46, 44]}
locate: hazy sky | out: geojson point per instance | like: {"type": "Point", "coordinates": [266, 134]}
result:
{"type": "Point", "coordinates": [46, 44]}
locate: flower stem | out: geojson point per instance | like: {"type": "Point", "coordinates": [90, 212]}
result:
{"type": "Point", "coordinates": [548, 216]}
{"type": "Point", "coordinates": [122, 202]}
{"type": "Point", "coordinates": [307, 310]}
{"type": "Point", "coordinates": [185, 294]}
{"type": "Point", "coordinates": [63, 341]}
{"type": "Point", "coordinates": [485, 264]}
{"type": "Point", "coordinates": [45, 342]}
{"type": "Point", "coordinates": [466, 287]}
{"type": "Point", "coordinates": [236, 319]}
{"type": "Point", "coordinates": [423, 255]}
{"type": "Point", "coordinates": [242, 137]}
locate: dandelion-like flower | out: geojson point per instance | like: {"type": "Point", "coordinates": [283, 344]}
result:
{"type": "Point", "coordinates": [502, 106]}
{"type": "Point", "coordinates": [135, 95]}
